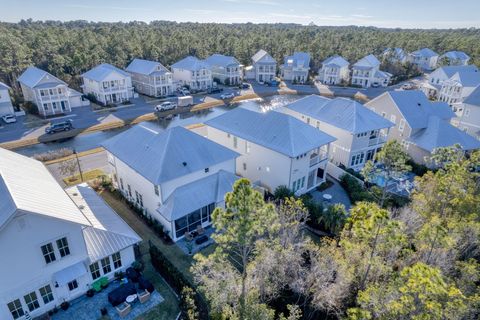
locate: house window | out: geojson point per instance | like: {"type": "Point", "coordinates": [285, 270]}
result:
{"type": "Point", "coordinates": [32, 301]}
{"type": "Point", "coordinates": [62, 245]}
{"type": "Point", "coordinates": [95, 270]}
{"type": "Point", "coordinates": [106, 267]}
{"type": "Point", "coordinates": [393, 118]}
{"type": "Point", "coordinates": [467, 112]}
{"type": "Point", "coordinates": [15, 308]}
{"type": "Point", "coordinates": [244, 166]}
{"type": "Point", "coordinates": [117, 260]}
{"type": "Point", "coordinates": [121, 183]}
{"type": "Point", "coordinates": [235, 142]}
{"type": "Point", "coordinates": [247, 147]}
{"type": "Point", "coordinates": [303, 182]}
{"type": "Point", "coordinates": [207, 170]}
{"type": "Point", "coordinates": [384, 114]}
{"type": "Point", "coordinates": [139, 198]}
{"type": "Point", "coordinates": [46, 293]}
{"type": "Point", "coordinates": [401, 125]}
{"type": "Point", "coordinates": [156, 190]}
{"type": "Point", "coordinates": [48, 253]}
{"type": "Point", "coordinates": [45, 106]}
{"type": "Point", "coordinates": [72, 285]}
{"type": "Point", "coordinates": [129, 190]}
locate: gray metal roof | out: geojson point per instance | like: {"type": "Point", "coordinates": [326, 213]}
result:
{"type": "Point", "coordinates": [298, 59]}
{"type": "Point", "coordinates": [416, 108]}
{"type": "Point", "coordinates": [474, 97]}
{"type": "Point", "coordinates": [173, 153]}
{"type": "Point", "coordinates": [467, 79]}
{"type": "Point", "coordinates": [369, 61]}
{"type": "Point", "coordinates": [108, 232]}
{"type": "Point", "coordinates": [221, 60]}
{"type": "Point", "coordinates": [335, 60]}
{"type": "Point", "coordinates": [342, 113]}
{"type": "Point", "coordinates": [382, 74]}
{"type": "Point", "coordinates": [263, 56]}
{"type": "Point", "coordinates": [451, 70]}
{"type": "Point", "coordinates": [197, 194]}
{"type": "Point", "coordinates": [274, 130]}
{"type": "Point", "coordinates": [3, 86]}
{"type": "Point", "coordinates": [440, 133]}
{"type": "Point", "coordinates": [191, 63]}
{"type": "Point", "coordinates": [456, 55]}
{"type": "Point", "coordinates": [145, 67]}
{"type": "Point", "coordinates": [397, 53]}
{"type": "Point", "coordinates": [27, 186]}
{"type": "Point", "coordinates": [425, 52]}
{"type": "Point", "coordinates": [100, 72]}
{"type": "Point", "coordinates": [32, 76]}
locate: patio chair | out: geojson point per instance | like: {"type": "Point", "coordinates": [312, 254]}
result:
{"type": "Point", "coordinates": [123, 309]}
{"type": "Point", "coordinates": [200, 230]}
{"type": "Point", "coordinates": [143, 296]}
{"type": "Point", "coordinates": [188, 236]}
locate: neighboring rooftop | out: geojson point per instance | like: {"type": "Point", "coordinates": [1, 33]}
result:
{"type": "Point", "coordinates": [197, 194]}
{"type": "Point", "coordinates": [100, 72]}
{"type": "Point", "coordinates": [336, 61]}
{"type": "Point", "coordinates": [342, 113]}
{"type": "Point", "coordinates": [456, 55]}
{"type": "Point", "coordinates": [108, 232]}
{"type": "Point", "coordinates": [27, 186]}
{"type": "Point", "coordinates": [274, 130]}
{"type": "Point", "coordinates": [416, 108]}
{"type": "Point", "coordinates": [467, 79]}
{"type": "Point", "coordinates": [298, 60]}
{"type": "Point", "coordinates": [424, 52]}
{"type": "Point", "coordinates": [369, 61]}
{"type": "Point", "coordinates": [191, 63]}
{"type": "Point", "coordinates": [474, 97]}
{"type": "Point", "coordinates": [221, 60]}
{"type": "Point", "coordinates": [440, 133]}
{"type": "Point", "coordinates": [146, 67]}
{"type": "Point", "coordinates": [264, 56]}
{"type": "Point", "coordinates": [451, 70]}
{"type": "Point", "coordinates": [396, 53]}
{"type": "Point", "coordinates": [3, 86]}
{"type": "Point", "coordinates": [163, 156]}
{"type": "Point", "coordinates": [32, 76]}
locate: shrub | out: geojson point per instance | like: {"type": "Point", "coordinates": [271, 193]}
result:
{"type": "Point", "coordinates": [30, 107]}
{"type": "Point", "coordinates": [417, 169]}
{"type": "Point", "coordinates": [53, 154]}
{"type": "Point", "coordinates": [356, 192]}
{"type": "Point", "coordinates": [282, 192]}
{"type": "Point", "coordinates": [92, 98]}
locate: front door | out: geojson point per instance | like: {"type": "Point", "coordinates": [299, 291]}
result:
{"type": "Point", "coordinates": [311, 179]}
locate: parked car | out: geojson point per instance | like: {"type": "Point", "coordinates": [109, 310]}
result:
{"type": "Point", "coordinates": [407, 86]}
{"type": "Point", "coordinates": [185, 101]}
{"type": "Point", "coordinates": [375, 85]}
{"type": "Point", "coordinates": [59, 126]}
{"type": "Point", "coordinates": [273, 83]}
{"type": "Point", "coordinates": [244, 85]}
{"type": "Point", "coordinates": [9, 118]}
{"type": "Point", "coordinates": [215, 90]}
{"type": "Point", "coordinates": [184, 91]}
{"type": "Point", "coordinates": [229, 95]}
{"type": "Point", "coordinates": [165, 106]}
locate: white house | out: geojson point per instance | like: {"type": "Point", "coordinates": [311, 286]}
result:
{"type": "Point", "coordinates": [226, 69]}
{"type": "Point", "coordinates": [275, 149]}
{"type": "Point", "coordinates": [6, 106]}
{"type": "Point", "coordinates": [455, 58]}
{"type": "Point", "coordinates": [334, 71]}
{"type": "Point", "coordinates": [435, 79]}
{"type": "Point", "coordinates": [109, 84]}
{"type": "Point", "coordinates": [194, 73]}
{"type": "Point", "coordinates": [263, 68]}
{"type": "Point", "coordinates": [54, 243]}
{"type": "Point", "coordinates": [469, 114]}
{"type": "Point", "coordinates": [360, 133]}
{"type": "Point", "coordinates": [151, 78]}
{"type": "Point", "coordinates": [395, 55]}
{"type": "Point", "coordinates": [177, 176]}
{"type": "Point", "coordinates": [51, 95]}
{"type": "Point", "coordinates": [296, 67]}
{"type": "Point", "coordinates": [426, 59]}
{"type": "Point", "coordinates": [366, 72]}
{"type": "Point", "coordinates": [421, 125]}
{"type": "Point", "coordinates": [458, 87]}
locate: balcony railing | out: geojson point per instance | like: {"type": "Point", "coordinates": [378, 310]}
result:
{"type": "Point", "coordinates": [317, 158]}
{"type": "Point", "coordinates": [112, 89]}
{"type": "Point", "coordinates": [54, 97]}
{"type": "Point", "coordinates": [380, 139]}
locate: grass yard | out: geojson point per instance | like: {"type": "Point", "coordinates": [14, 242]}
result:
{"type": "Point", "coordinates": [87, 176]}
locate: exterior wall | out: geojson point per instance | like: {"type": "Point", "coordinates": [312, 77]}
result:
{"type": "Point", "coordinates": [299, 75]}
{"type": "Point", "coordinates": [196, 80]}
{"type": "Point", "coordinates": [233, 73]}
{"type": "Point", "coordinates": [264, 71]}
{"type": "Point", "coordinates": [51, 102]}
{"type": "Point", "coordinates": [24, 269]}
{"type": "Point", "coordinates": [437, 77]}
{"type": "Point", "coordinates": [153, 85]}
{"type": "Point", "coordinates": [453, 92]}
{"type": "Point", "coordinates": [333, 75]}
{"type": "Point", "coordinates": [424, 63]}
{"type": "Point", "coordinates": [468, 120]}
{"type": "Point", "coordinates": [267, 167]}
{"type": "Point", "coordinates": [117, 94]}
{"type": "Point", "coordinates": [5, 99]}
{"type": "Point", "coordinates": [362, 77]}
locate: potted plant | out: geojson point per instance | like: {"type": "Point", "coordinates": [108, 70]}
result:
{"type": "Point", "coordinates": [65, 305]}
{"type": "Point", "coordinates": [90, 293]}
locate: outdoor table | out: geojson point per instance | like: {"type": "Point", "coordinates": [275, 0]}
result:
{"type": "Point", "coordinates": [131, 298]}
{"type": "Point", "coordinates": [327, 196]}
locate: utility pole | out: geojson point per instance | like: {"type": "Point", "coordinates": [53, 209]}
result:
{"type": "Point", "coordinates": [78, 163]}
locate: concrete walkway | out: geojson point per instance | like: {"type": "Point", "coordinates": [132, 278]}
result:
{"type": "Point", "coordinates": [339, 195]}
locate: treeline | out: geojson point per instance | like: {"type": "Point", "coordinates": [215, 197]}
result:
{"type": "Point", "coordinates": [66, 49]}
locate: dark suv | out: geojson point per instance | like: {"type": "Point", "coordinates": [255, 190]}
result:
{"type": "Point", "coordinates": [215, 90]}
{"type": "Point", "coordinates": [59, 126]}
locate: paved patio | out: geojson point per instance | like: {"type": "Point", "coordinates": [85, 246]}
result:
{"type": "Point", "coordinates": [339, 195]}
{"type": "Point", "coordinates": [182, 244]}
{"type": "Point", "coordinates": [85, 308]}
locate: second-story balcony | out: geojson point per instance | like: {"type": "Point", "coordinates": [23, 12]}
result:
{"type": "Point", "coordinates": [53, 97]}
{"type": "Point", "coordinates": [114, 89]}
{"type": "Point", "coordinates": [381, 138]}
{"type": "Point", "coordinates": [318, 157]}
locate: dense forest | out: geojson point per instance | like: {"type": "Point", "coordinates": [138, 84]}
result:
{"type": "Point", "coordinates": [66, 49]}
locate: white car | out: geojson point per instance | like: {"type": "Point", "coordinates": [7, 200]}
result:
{"type": "Point", "coordinates": [407, 86]}
{"type": "Point", "coordinates": [227, 96]}
{"type": "Point", "coordinates": [167, 105]}
{"type": "Point", "coordinates": [185, 91]}
{"type": "Point", "coordinates": [9, 118]}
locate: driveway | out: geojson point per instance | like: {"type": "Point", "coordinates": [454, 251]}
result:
{"type": "Point", "coordinates": [339, 195]}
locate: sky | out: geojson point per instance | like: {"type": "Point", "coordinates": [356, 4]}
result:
{"type": "Point", "coordinates": [380, 13]}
